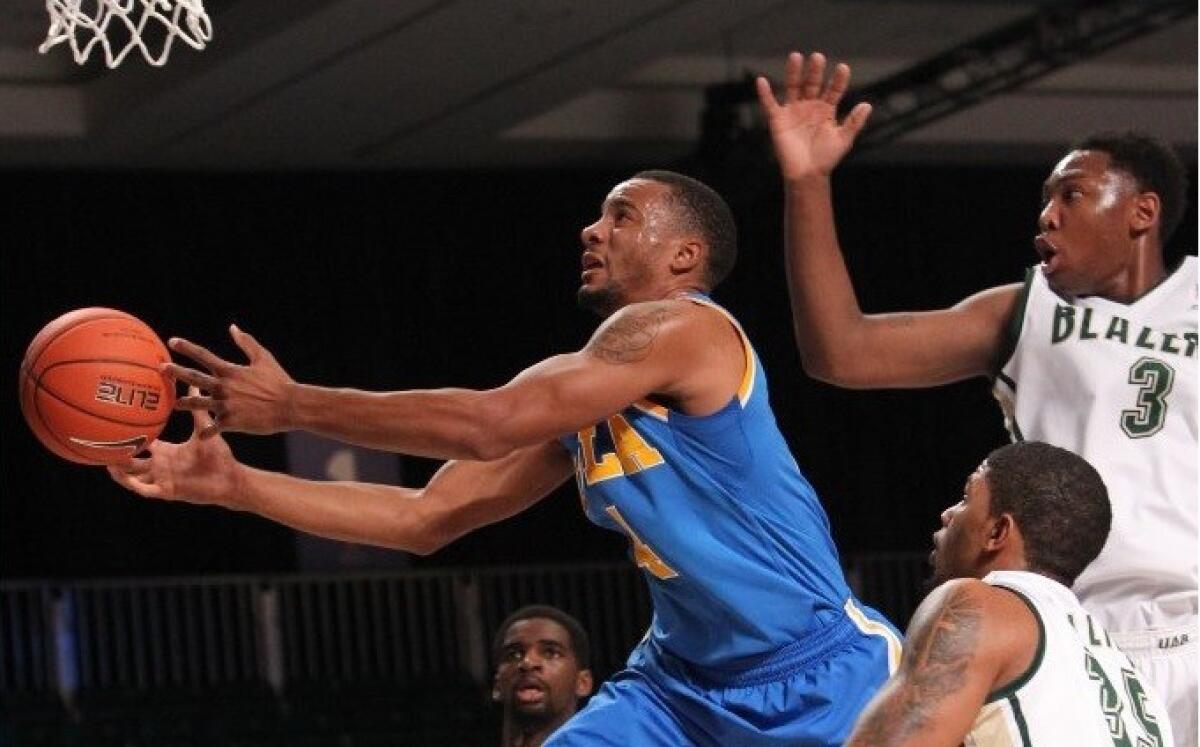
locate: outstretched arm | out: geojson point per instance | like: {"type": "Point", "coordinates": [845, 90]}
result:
{"type": "Point", "coordinates": [673, 348]}
{"type": "Point", "coordinates": [964, 641]}
{"type": "Point", "coordinates": [838, 343]}
{"type": "Point", "coordinates": [460, 497]}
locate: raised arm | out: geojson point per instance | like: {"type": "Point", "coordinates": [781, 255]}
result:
{"type": "Point", "coordinates": [965, 640]}
{"type": "Point", "coordinates": [661, 347]}
{"type": "Point", "coordinates": [460, 497]}
{"type": "Point", "coordinates": [838, 343]}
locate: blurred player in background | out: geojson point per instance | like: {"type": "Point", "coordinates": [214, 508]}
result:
{"type": "Point", "coordinates": [542, 657]}
{"type": "Point", "coordinates": [663, 419]}
{"type": "Point", "coordinates": [1094, 352]}
{"type": "Point", "coordinates": [1001, 653]}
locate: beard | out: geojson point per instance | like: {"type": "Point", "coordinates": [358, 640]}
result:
{"type": "Point", "coordinates": [931, 582]}
{"type": "Point", "coordinates": [602, 301]}
{"type": "Point", "coordinates": [937, 574]}
{"type": "Point", "coordinates": [532, 716]}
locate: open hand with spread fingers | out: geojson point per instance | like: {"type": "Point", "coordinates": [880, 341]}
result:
{"type": "Point", "coordinates": [199, 470]}
{"type": "Point", "coordinates": [808, 139]}
{"type": "Point", "coordinates": [251, 398]}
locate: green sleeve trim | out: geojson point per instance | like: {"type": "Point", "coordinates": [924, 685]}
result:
{"type": "Point", "coordinates": [1012, 331]}
{"type": "Point", "coordinates": [1011, 688]}
{"type": "Point", "coordinates": [1010, 417]}
{"type": "Point", "coordinates": [1019, 717]}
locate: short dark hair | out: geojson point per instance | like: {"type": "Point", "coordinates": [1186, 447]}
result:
{"type": "Point", "coordinates": [705, 212]}
{"type": "Point", "coordinates": [580, 644]}
{"type": "Point", "coordinates": [1058, 501]}
{"type": "Point", "coordinates": [1153, 164]}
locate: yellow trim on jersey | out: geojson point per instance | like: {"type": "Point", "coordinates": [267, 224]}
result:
{"type": "Point", "coordinates": [643, 554]}
{"type": "Point", "coordinates": [871, 627]}
{"type": "Point", "coordinates": [746, 387]}
{"type": "Point", "coordinates": [652, 409]}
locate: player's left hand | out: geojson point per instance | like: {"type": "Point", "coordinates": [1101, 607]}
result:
{"type": "Point", "coordinates": [252, 398]}
{"type": "Point", "coordinates": [807, 136]}
{"type": "Point", "coordinates": [196, 471]}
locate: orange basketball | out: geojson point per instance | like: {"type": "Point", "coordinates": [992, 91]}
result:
{"type": "Point", "coordinates": [91, 389]}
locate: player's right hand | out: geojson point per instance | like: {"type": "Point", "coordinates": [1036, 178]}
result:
{"type": "Point", "coordinates": [199, 470]}
{"type": "Point", "coordinates": [252, 398]}
{"type": "Point", "coordinates": [808, 139]}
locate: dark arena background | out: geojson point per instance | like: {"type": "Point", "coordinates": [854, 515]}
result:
{"type": "Point", "coordinates": [394, 232]}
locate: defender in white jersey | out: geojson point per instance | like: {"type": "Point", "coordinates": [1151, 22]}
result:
{"type": "Point", "coordinates": [1117, 388]}
{"type": "Point", "coordinates": [1107, 699]}
{"type": "Point", "coordinates": [1117, 382]}
{"type": "Point", "coordinates": [1001, 653]}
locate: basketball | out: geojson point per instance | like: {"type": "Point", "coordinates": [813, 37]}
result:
{"type": "Point", "coordinates": [91, 389]}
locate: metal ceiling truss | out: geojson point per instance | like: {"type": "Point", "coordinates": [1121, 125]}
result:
{"type": "Point", "coordinates": [1007, 58]}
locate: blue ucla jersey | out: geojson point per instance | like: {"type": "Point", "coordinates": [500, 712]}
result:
{"type": "Point", "coordinates": [732, 536]}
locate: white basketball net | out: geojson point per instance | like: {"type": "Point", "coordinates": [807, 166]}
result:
{"type": "Point", "coordinates": [121, 26]}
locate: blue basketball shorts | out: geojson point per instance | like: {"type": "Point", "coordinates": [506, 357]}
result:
{"type": "Point", "coordinates": [810, 692]}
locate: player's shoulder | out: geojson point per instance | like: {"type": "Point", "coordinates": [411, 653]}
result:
{"type": "Point", "coordinates": [964, 594]}
{"type": "Point", "coordinates": [975, 591]}
{"type": "Point", "coordinates": [669, 315]}
{"type": "Point", "coordinates": [973, 609]}
{"type": "Point", "coordinates": [946, 628]}
{"type": "Point", "coordinates": [967, 623]}
{"type": "Point", "coordinates": [637, 330]}
{"type": "Point", "coordinates": [653, 317]}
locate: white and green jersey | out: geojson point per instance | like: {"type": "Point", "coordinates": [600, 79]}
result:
{"type": "Point", "coordinates": [1116, 384]}
{"type": "Point", "coordinates": [1080, 690]}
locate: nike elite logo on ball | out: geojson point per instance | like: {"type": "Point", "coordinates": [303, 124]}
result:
{"type": "Point", "coordinates": [126, 393]}
{"type": "Point", "coordinates": [135, 444]}
{"type": "Point", "coordinates": [92, 388]}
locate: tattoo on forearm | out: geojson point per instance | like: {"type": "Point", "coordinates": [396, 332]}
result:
{"type": "Point", "coordinates": [935, 664]}
{"type": "Point", "coordinates": [629, 339]}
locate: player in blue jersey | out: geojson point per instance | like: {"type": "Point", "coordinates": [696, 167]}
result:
{"type": "Point", "coordinates": [663, 419]}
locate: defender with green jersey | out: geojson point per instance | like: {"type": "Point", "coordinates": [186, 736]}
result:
{"type": "Point", "coordinates": [1109, 703]}
{"type": "Point", "coordinates": [1116, 384]}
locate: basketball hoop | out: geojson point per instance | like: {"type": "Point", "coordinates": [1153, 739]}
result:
{"type": "Point", "coordinates": [121, 26]}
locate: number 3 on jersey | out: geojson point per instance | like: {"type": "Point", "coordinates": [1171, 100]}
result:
{"type": "Point", "coordinates": [1154, 380]}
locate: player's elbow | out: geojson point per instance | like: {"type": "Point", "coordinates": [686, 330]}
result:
{"type": "Point", "coordinates": [821, 362]}
{"type": "Point", "coordinates": [426, 547]}
{"type": "Point", "coordinates": [424, 529]}
{"type": "Point", "coordinates": [494, 430]}
{"type": "Point", "coordinates": [428, 535]}
{"type": "Point", "coordinates": [848, 356]}
{"type": "Point", "coordinates": [840, 371]}
{"type": "Point", "coordinates": [489, 447]}
{"type": "Point", "coordinates": [816, 367]}
{"type": "Point", "coordinates": [409, 537]}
